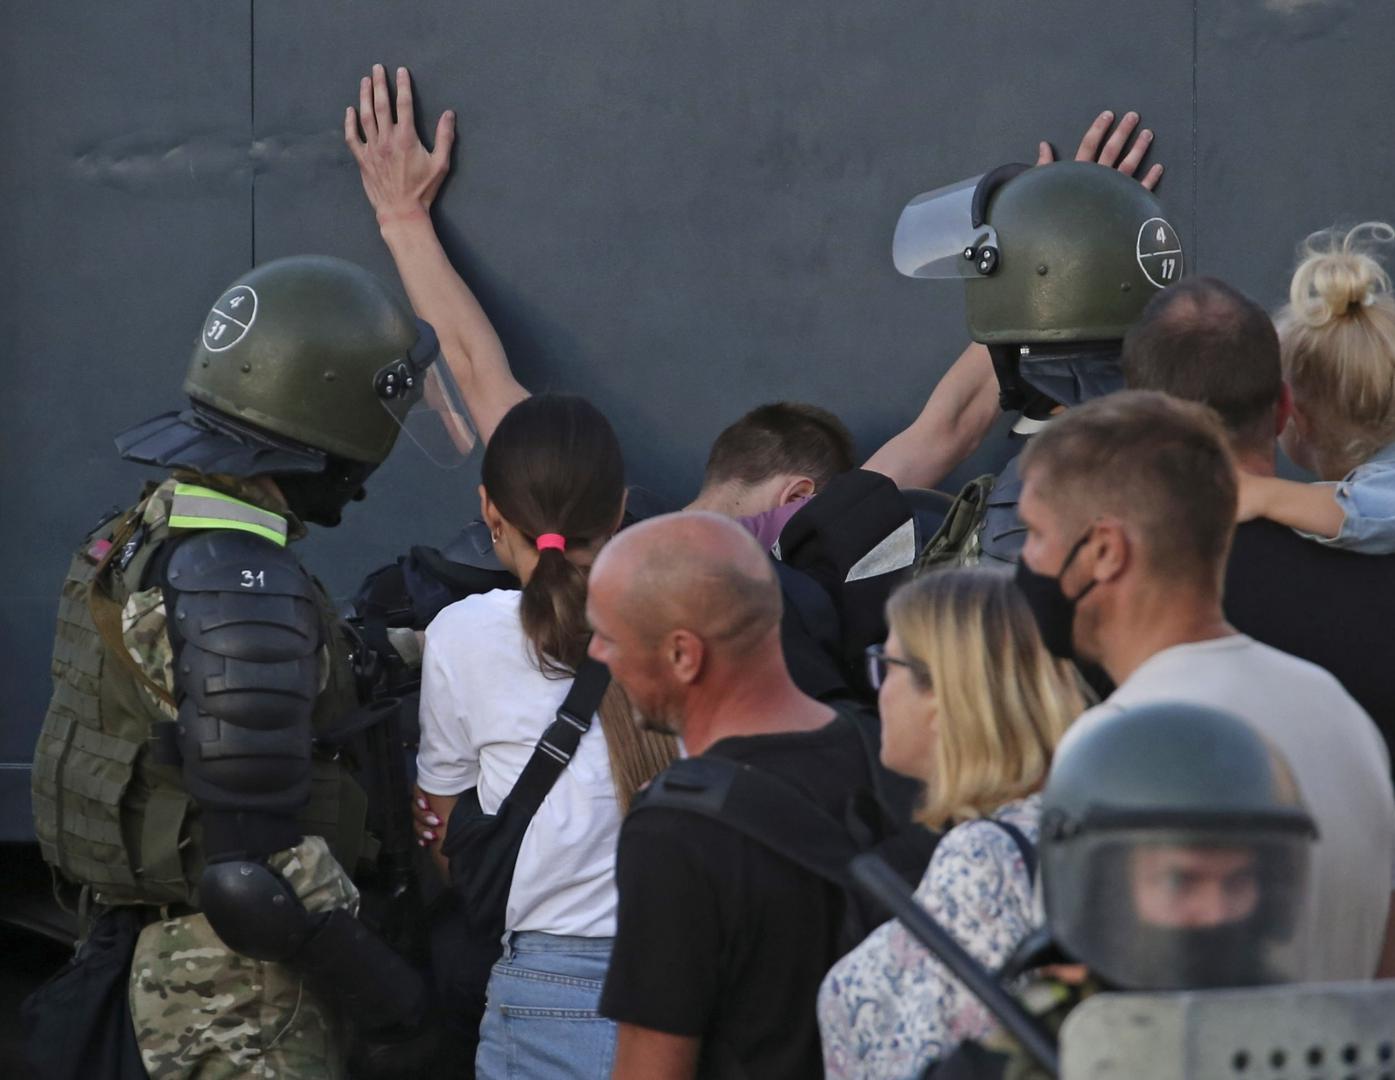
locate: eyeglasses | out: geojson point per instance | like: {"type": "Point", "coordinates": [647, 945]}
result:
{"type": "Point", "coordinates": [877, 661]}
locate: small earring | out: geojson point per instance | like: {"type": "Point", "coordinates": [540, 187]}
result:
{"type": "Point", "coordinates": [494, 536]}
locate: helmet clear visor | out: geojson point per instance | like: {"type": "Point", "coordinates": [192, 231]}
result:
{"type": "Point", "coordinates": [935, 236]}
{"type": "Point", "coordinates": [421, 394]}
{"type": "Point", "coordinates": [1180, 910]}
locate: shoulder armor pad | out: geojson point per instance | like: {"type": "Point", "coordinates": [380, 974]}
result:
{"type": "Point", "coordinates": [246, 631]}
{"type": "Point", "coordinates": [217, 560]}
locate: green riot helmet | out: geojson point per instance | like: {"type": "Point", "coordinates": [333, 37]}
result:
{"type": "Point", "coordinates": [293, 348]}
{"type": "Point", "coordinates": [305, 371]}
{"type": "Point", "coordinates": [1058, 260]}
{"type": "Point", "coordinates": [1174, 850]}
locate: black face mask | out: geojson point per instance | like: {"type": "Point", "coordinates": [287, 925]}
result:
{"type": "Point", "coordinates": [1052, 609]}
{"type": "Point", "coordinates": [1202, 958]}
{"type": "Point", "coordinates": [320, 498]}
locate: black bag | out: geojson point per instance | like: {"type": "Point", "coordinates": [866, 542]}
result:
{"type": "Point", "coordinates": [811, 636]}
{"type": "Point", "coordinates": [857, 540]}
{"type": "Point", "coordinates": [468, 921]}
{"type": "Point", "coordinates": [412, 590]}
{"type": "Point", "coordinates": [483, 848]}
{"type": "Point", "coordinates": [77, 1025]}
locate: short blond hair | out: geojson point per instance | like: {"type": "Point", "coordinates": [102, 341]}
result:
{"type": "Point", "coordinates": [1337, 345]}
{"type": "Point", "coordinates": [1154, 461]}
{"type": "Point", "coordinates": [1004, 702]}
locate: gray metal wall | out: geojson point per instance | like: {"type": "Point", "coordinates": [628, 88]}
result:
{"type": "Point", "coordinates": [680, 209]}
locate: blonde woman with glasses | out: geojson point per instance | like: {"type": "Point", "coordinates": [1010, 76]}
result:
{"type": "Point", "coordinates": [973, 706]}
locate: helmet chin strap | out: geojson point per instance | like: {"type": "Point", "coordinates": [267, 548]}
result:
{"type": "Point", "coordinates": [1012, 391]}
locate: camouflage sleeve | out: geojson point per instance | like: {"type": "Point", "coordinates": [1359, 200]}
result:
{"type": "Point", "coordinates": [318, 880]}
{"type": "Point", "coordinates": [143, 630]}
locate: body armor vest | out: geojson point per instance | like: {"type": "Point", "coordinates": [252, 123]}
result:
{"type": "Point", "coordinates": [110, 809]}
{"type": "Point", "coordinates": [982, 525]}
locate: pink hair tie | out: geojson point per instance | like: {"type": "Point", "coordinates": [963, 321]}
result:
{"type": "Point", "coordinates": [552, 540]}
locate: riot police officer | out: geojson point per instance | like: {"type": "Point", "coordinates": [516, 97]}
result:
{"type": "Point", "coordinates": [182, 769]}
{"type": "Point", "coordinates": [1058, 261]}
{"type": "Point", "coordinates": [1174, 856]}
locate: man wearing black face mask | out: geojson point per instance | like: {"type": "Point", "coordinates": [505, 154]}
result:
{"type": "Point", "coordinates": [1129, 505]}
{"type": "Point", "coordinates": [183, 779]}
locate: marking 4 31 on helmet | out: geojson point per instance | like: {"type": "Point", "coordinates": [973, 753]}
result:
{"type": "Point", "coordinates": [318, 351]}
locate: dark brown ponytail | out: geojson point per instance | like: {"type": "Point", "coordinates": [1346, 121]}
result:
{"type": "Point", "coordinates": [554, 466]}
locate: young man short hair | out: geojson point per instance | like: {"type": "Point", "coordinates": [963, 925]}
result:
{"type": "Point", "coordinates": [1129, 504]}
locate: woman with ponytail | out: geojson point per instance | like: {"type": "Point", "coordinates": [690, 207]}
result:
{"type": "Point", "coordinates": [496, 668]}
{"type": "Point", "coordinates": [1337, 346]}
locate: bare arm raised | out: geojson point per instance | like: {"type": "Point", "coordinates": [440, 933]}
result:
{"type": "Point", "coordinates": [401, 179]}
{"type": "Point", "coordinates": [951, 426]}
{"type": "Point", "coordinates": [962, 407]}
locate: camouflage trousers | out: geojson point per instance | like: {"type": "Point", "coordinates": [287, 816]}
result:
{"type": "Point", "coordinates": [203, 1011]}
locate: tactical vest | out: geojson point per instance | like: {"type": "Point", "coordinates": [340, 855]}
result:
{"type": "Point", "coordinates": [982, 525]}
{"type": "Point", "coordinates": [110, 810]}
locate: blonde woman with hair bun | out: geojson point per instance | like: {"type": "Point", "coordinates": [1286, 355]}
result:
{"type": "Point", "coordinates": [1337, 345]}
{"type": "Point", "coordinates": [973, 706]}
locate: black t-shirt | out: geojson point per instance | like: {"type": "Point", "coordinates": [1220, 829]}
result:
{"type": "Point", "coordinates": [721, 939]}
{"type": "Point", "coordinates": [1324, 605]}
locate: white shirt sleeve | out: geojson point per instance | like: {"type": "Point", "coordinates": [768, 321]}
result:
{"type": "Point", "coordinates": [447, 760]}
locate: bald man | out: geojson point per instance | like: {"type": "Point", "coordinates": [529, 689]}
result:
{"type": "Point", "coordinates": [720, 942]}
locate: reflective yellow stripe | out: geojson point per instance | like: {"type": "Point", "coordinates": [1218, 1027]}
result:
{"type": "Point", "coordinates": [179, 521]}
{"type": "Point", "coordinates": [221, 496]}
{"type": "Point", "coordinates": [195, 507]}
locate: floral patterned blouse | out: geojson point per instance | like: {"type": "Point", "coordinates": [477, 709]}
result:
{"type": "Point", "coordinates": [888, 1008]}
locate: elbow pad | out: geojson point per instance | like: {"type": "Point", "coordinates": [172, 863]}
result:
{"type": "Point", "coordinates": [245, 630]}
{"type": "Point", "coordinates": [256, 913]}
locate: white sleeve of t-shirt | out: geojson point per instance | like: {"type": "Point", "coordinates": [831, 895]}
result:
{"type": "Point", "coordinates": [447, 762]}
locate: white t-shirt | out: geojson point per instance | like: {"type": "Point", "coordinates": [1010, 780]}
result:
{"type": "Point", "coordinates": [1339, 761]}
{"type": "Point", "coordinates": [484, 705]}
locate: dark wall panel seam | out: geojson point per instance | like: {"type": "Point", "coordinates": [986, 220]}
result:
{"type": "Point", "coordinates": [252, 114]}
{"type": "Point", "coordinates": [1196, 143]}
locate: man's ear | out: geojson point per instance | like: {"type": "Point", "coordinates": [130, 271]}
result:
{"type": "Point", "coordinates": [685, 655]}
{"type": "Point", "coordinates": [796, 488]}
{"type": "Point", "coordinates": [1112, 547]}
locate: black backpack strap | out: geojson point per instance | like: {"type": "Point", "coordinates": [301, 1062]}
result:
{"type": "Point", "coordinates": [758, 805]}
{"type": "Point", "coordinates": [1025, 846]}
{"type": "Point", "coordinates": [559, 742]}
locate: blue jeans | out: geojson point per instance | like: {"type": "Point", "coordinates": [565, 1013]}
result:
{"type": "Point", "coordinates": [541, 1021]}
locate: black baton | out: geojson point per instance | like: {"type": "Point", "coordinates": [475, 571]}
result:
{"type": "Point", "coordinates": [881, 882]}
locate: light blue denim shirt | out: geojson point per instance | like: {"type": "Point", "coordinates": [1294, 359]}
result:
{"type": "Point", "coordinates": [1367, 498]}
